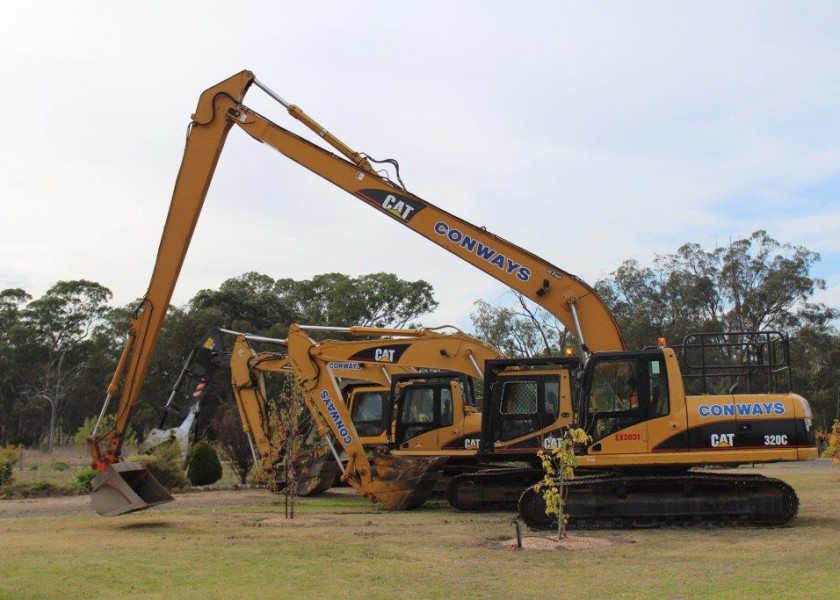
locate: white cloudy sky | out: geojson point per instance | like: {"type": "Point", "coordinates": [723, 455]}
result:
{"type": "Point", "coordinates": [587, 132]}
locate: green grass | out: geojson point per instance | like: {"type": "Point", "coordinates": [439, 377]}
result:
{"type": "Point", "coordinates": [357, 551]}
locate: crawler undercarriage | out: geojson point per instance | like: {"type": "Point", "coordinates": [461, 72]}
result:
{"type": "Point", "coordinates": [626, 500]}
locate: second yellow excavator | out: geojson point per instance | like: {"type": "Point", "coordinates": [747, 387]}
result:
{"type": "Point", "coordinates": [446, 414]}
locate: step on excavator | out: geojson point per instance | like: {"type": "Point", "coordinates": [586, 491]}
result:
{"type": "Point", "coordinates": [646, 455]}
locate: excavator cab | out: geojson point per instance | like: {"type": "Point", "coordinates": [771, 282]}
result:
{"type": "Point", "coordinates": [430, 408]}
{"type": "Point", "coordinates": [526, 404]}
{"type": "Point", "coordinates": [716, 399]}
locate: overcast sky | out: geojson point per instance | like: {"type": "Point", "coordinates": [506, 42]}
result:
{"type": "Point", "coordinates": [586, 132]}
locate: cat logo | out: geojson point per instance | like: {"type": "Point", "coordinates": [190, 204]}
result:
{"type": "Point", "coordinates": [551, 442]}
{"type": "Point", "coordinates": [387, 353]}
{"type": "Point", "coordinates": [723, 440]}
{"type": "Point", "coordinates": [384, 355]}
{"type": "Point", "coordinates": [398, 206]}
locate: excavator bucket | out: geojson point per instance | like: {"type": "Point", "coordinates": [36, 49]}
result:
{"type": "Point", "coordinates": [405, 482]}
{"type": "Point", "coordinates": [318, 477]}
{"type": "Point", "coordinates": [316, 473]}
{"type": "Point", "coordinates": [126, 487]}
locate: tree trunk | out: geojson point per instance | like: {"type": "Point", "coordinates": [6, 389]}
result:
{"type": "Point", "coordinates": [53, 423]}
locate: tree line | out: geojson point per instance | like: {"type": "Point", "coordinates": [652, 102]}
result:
{"type": "Point", "coordinates": [752, 284]}
{"type": "Point", "coordinates": [58, 352]}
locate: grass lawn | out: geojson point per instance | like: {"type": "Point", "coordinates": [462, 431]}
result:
{"type": "Point", "coordinates": [343, 547]}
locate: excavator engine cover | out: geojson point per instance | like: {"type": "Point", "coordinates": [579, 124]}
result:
{"type": "Point", "coordinates": [126, 487]}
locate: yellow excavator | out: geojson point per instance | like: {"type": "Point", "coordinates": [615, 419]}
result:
{"type": "Point", "coordinates": [642, 454]}
{"type": "Point", "coordinates": [383, 388]}
{"type": "Point", "coordinates": [442, 412]}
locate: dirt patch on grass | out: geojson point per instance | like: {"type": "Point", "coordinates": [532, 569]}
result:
{"type": "Point", "coordinates": [571, 543]}
{"type": "Point", "coordinates": [296, 522]}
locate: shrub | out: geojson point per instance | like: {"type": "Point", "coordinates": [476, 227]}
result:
{"type": "Point", "coordinates": [204, 467]}
{"type": "Point", "coordinates": [164, 464]}
{"type": "Point", "coordinates": [258, 477]}
{"type": "Point", "coordinates": [833, 443]}
{"type": "Point", "coordinates": [168, 474]}
{"type": "Point", "coordinates": [59, 466]}
{"type": "Point", "coordinates": [8, 457]}
{"type": "Point", "coordinates": [36, 489]}
{"type": "Point", "coordinates": [83, 481]}
{"type": "Point", "coordinates": [168, 452]}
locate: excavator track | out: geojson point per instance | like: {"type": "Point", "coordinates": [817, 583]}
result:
{"type": "Point", "coordinates": [610, 500]}
{"type": "Point", "coordinates": [622, 501]}
{"type": "Point", "coordinates": [493, 488]}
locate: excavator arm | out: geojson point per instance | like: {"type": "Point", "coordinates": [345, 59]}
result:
{"type": "Point", "coordinates": [206, 138]}
{"type": "Point", "coordinates": [568, 298]}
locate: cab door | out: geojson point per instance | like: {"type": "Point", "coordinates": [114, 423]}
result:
{"type": "Point", "coordinates": [528, 407]}
{"type": "Point", "coordinates": [430, 413]}
{"type": "Point", "coordinates": [622, 397]}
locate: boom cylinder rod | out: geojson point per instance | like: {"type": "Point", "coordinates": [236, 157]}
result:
{"type": "Point", "coordinates": [256, 338]}
{"type": "Point", "coordinates": [270, 92]}
{"type": "Point", "coordinates": [573, 308]}
{"type": "Point", "coordinates": [360, 330]}
{"type": "Point", "coordinates": [250, 438]}
{"type": "Point", "coordinates": [475, 364]}
{"type": "Point", "coordinates": [115, 380]}
{"type": "Point", "coordinates": [108, 398]}
{"type": "Point", "coordinates": [358, 158]}
{"type": "Point", "coordinates": [386, 374]}
{"type": "Point", "coordinates": [174, 391]}
{"type": "Point", "coordinates": [334, 453]}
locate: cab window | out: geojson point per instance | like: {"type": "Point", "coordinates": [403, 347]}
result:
{"type": "Point", "coordinates": [551, 400]}
{"type": "Point", "coordinates": [519, 404]}
{"type": "Point", "coordinates": [419, 406]}
{"type": "Point", "coordinates": [626, 392]}
{"type": "Point", "coordinates": [446, 407]}
{"type": "Point", "coordinates": [660, 405]}
{"type": "Point", "coordinates": [614, 398]}
{"type": "Point", "coordinates": [520, 398]}
{"type": "Point", "coordinates": [367, 413]}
